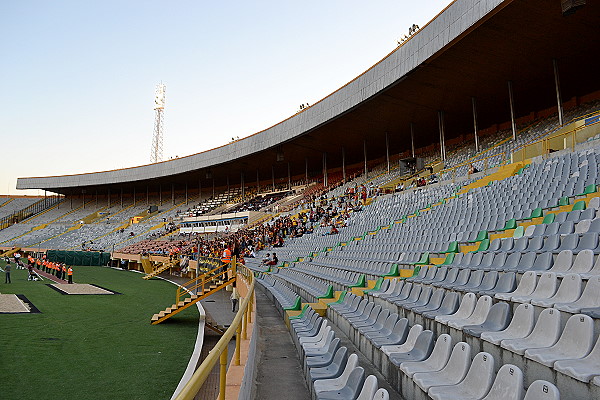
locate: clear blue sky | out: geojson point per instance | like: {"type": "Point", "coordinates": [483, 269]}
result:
{"type": "Point", "coordinates": [78, 77]}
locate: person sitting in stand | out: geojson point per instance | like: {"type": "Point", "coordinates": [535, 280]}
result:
{"type": "Point", "coordinates": [274, 260]}
{"type": "Point", "coordinates": [334, 230]}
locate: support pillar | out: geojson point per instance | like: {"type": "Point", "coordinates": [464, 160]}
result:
{"type": "Point", "coordinates": [289, 177]}
{"type": "Point", "coordinates": [513, 124]}
{"type": "Point", "coordinates": [173, 193]}
{"type": "Point", "coordinates": [325, 182]}
{"type": "Point", "coordinates": [273, 176]}
{"type": "Point", "coordinates": [557, 88]}
{"type": "Point", "coordinates": [121, 197]}
{"type": "Point", "coordinates": [134, 196]}
{"type": "Point", "coordinates": [306, 170]}
{"type": "Point", "coordinates": [242, 185]}
{"type": "Point", "coordinates": [344, 164]}
{"type": "Point", "coordinates": [365, 153]}
{"type": "Point", "coordinates": [442, 136]}
{"type": "Point", "coordinates": [412, 138]}
{"type": "Point", "coordinates": [257, 182]}
{"type": "Point", "coordinates": [186, 194]}
{"type": "Point", "coordinates": [387, 152]}
{"type": "Point", "coordinates": [474, 104]}
{"type": "Point", "coordinates": [160, 194]}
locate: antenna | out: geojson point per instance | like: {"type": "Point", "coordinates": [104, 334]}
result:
{"type": "Point", "coordinates": [156, 154]}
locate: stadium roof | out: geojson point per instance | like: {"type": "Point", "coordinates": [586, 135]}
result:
{"type": "Point", "coordinates": [471, 49]}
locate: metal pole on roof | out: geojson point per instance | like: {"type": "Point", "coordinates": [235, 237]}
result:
{"type": "Point", "coordinates": [242, 184]}
{"type": "Point", "coordinates": [273, 175]}
{"type": "Point", "coordinates": [557, 87]}
{"type": "Point", "coordinates": [474, 104]}
{"type": "Point", "coordinates": [344, 163]}
{"type": "Point", "coordinates": [325, 183]}
{"type": "Point", "coordinates": [412, 138]}
{"type": "Point", "coordinates": [365, 153]}
{"type": "Point", "coordinates": [442, 135]}
{"type": "Point", "coordinates": [512, 110]}
{"type": "Point", "coordinates": [306, 170]}
{"type": "Point", "coordinates": [387, 152]}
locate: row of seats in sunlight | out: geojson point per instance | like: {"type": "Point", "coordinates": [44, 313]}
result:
{"type": "Point", "coordinates": [330, 370]}
{"type": "Point", "coordinates": [419, 362]}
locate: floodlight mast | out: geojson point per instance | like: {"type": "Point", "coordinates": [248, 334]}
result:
{"type": "Point", "coordinates": [156, 154]}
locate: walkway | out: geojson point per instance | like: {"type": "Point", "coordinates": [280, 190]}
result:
{"type": "Point", "coordinates": [278, 370]}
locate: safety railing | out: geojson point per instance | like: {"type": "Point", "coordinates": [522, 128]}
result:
{"type": "Point", "coordinates": [219, 353]}
{"type": "Point", "coordinates": [197, 285]}
{"type": "Point", "coordinates": [556, 142]}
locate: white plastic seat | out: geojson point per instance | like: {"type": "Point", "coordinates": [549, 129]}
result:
{"type": "Point", "coordinates": [413, 334]}
{"type": "Point", "coordinates": [526, 286]}
{"type": "Point", "coordinates": [349, 390]}
{"type": "Point", "coordinates": [575, 342]}
{"type": "Point", "coordinates": [508, 384]}
{"type": "Point", "coordinates": [590, 298]}
{"type": "Point", "coordinates": [595, 271]}
{"type": "Point", "coordinates": [563, 262]}
{"type": "Point", "coordinates": [467, 305]}
{"type": "Point", "coordinates": [454, 371]}
{"type": "Point", "coordinates": [482, 308]}
{"type": "Point", "coordinates": [583, 263]}
{"type": "Point", "coordinates": [568, 291]}
{"type": "Point", "coordinates": [583, 369]}
{"type": "Point", "coordinates": [545, 288]}
{"type": "Point", "coordinates": [520, 326]}
{"type": "Point", "coordinates": [436, 361]}
{"type": "Point", "coordinates": [477, 382]}
{"type": "Point", "coordinates": [545, 333]}
{"type": "Point", "coordinates": [381, 394]}
{"type": "Point", "coordinates": [339, 382]}
{"type": "Point", "coordinates": [369, 388]}
{"type": "Point", "coordinates": [542, 390]}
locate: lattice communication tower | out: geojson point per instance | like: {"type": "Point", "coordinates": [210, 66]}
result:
{"type": "Point", "coordinates": [156, 154]}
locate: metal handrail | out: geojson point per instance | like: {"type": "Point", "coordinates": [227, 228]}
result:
{"type": "Point", "coordinates": [219, 352]}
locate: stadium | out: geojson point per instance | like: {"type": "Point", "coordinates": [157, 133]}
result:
{"type": "Point", "coordinates": [428, 230]}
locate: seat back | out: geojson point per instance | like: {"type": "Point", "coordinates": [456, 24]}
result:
{"type": "Point", "coordinates": [563, 261]}
{"type": "Point", "coordinates": [508, 384]}
{"type": "Point", "coordinates": [369, 388]}
{"type": "Point", "coordinates": [467, 305]}
{"type": "Point", "coordinates": [458, 363]}
{"type": "Point", "coordinates": [542, 390]}
{"type": "Point", "coordinates": [527, 284]}
{"type": "Point", "coordinates": [506, 283]}
{"type": "Point", "coordinates": [546, 286]}
{"type": "Point", "coordinates": [480, 377]}
{"type": "Point", "coordinates": [584, 261]}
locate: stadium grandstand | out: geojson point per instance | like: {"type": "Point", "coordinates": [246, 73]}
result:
{"type": "Point", "coordinates": [429, 230]}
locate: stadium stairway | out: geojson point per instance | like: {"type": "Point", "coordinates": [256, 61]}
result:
{"type": "Point", "coordinates": [160, 268]}
{"type": "Point", "coordinates": [197, 289]}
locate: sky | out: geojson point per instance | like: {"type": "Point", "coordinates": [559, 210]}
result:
{"type": "Point", "coordinates": [78, 77]}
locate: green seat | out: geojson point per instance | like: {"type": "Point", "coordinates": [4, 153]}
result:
{"type": "Point", "coordinates": [304, 309]}
{"type": "Point", "coordinates": [589, 189]}
{"type": "Point", "coordinates": [415, 273]}
{"type": "Point", "coordinates": [510, 224]}
{"type": "Point", "coordinates": [536, 213]}
{"type": "Point", "coordinates": [362, 282]}
{"type": "Point", "coordinates": [449, 259]}
{"type": "Point", "coordinates": [297, 305]}
{"type": "Point", "coordinates": [394, 271]}
{"type": "Point", "coordinates": [483, 246]}
{"type": "Point", "coordinates": [519, 232]}
{"type": "Point", "coordinates": [376, 287]}
{"type": "Point", "coordinates": [328, 294]}
{"type": "Point", "coordinates": [341, 299]}
{"type": "Point", "coordinates": [548, 219]}
{"type": "Point", "coordinates": [424, 259]}
{"type": "Point", "coordinates": [480, 236]}
{"type": "Point", "coordinates": [580, 205]}
{"type": "Point", "coordinates": [563, 201]}
{"type": "Point", "coordinates": [452, 247]}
